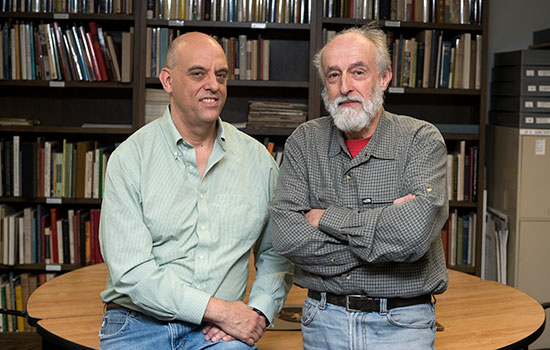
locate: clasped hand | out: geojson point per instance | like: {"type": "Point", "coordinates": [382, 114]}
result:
{"type": "Point", "coordinates": [232, 320]}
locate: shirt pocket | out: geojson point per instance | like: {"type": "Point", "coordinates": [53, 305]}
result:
{"type": "Point", "coordinates": [376, 201]}
{"type": "Point", "coordinates": [239, 217]}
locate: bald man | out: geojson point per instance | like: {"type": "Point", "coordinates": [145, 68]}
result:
{"type": "Point", "coordinates": [359, 208]}
{"type": "Point", "coordinates": [186, 199]}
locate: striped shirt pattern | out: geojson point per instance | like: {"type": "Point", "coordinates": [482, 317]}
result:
{"type": "Point", "coordinates": [171, 239]}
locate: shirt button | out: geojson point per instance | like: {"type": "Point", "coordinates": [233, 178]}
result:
{"type": "Point", "coordinates": [201, 257]}
{"type": "Point", "coordinates": [332, 260]}
{"type": "Point", "coordinates": [429, 189]}
{"type": "Point", "coordinates": [203, 227]}
{"type": "Point", "coordinates": [190, 167]}
{"type": "Point", "coordinates": [201, 196]}
{"type": "Point", "coordinates": [348, 277]}
{"type": "Point", "coordinates": [348, 177]}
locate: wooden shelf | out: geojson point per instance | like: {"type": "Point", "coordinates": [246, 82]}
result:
{"type": "Point", "coordinates": [249, 83]}
{"type": "Point", "coordinates": [52, 200]}
{"type": "Point", "coordinates": [431, 91]}
{"type": "Point", "coordinates": [68, 16]}
{"type": "Point", "coordinates": [65, 84]}
{"type": "Point", "coordinates": [402, 24]}
{"type": "Point", "coordinates": [40, 268]}
{"type": "Point", "coordinates": [65, 130]}
{"type": "Point", "coordinates": [235, 25]}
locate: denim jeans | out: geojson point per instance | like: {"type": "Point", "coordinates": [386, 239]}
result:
{"type": "Point", "coordinates": [123, 329]}
{"type": "Point", "coordinates": [327, 326]}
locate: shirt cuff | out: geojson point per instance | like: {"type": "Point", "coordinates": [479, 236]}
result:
{"type": "Point", "coordinates": [194, 306]}
{"type": "Point", "coordinates": [265, 304]}
{"type": "Point", "coordinates": [334, 219]}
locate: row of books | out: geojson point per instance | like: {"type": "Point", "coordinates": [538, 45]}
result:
{"type": "Point", "coordinates": [436, 11]}
{"type": "Point", "coordinates": [462, 173]}
{"type": "Point", "coordinates": [272, 11]}
{"type": "Point", "coordinates": [68, 6]}
{"type": "Point", "coordinates": [15, 290]}
{"type": "Point", "coordinates": [156, 101]}
{"type": "Point", "coordinates": [273, 114]}
{"type": "Point", "coordinates": [38, 235]}
{"type": "Point", "coordinates": [277, 151]}
{"type": "Point", "coordinates": [52, 168]}
{"type": "Point", "coordinates": [46, 51]}
{"type": "Point", "coordinates": [459, 239]}
{"type": "Point", "coordinates": [429, 60]}
{"type": "Point", "coordinates": [248, 59]}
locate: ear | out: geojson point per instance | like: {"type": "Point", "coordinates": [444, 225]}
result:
{"type": "Point", "coordinates": [385, 79]}
{"type": "Point", "coordinates": [165, 79]}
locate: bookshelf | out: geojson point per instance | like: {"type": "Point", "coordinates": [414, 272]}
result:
{"type": "Point", "coordinates": [63, 106]}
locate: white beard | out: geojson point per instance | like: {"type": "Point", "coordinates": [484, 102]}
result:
{"type": "Point", "coordinates": [349, 119]}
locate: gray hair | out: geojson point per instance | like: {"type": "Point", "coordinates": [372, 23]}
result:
{"type": "Point", "coordinates": [371, 32]}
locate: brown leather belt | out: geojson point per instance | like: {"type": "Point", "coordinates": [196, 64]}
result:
{"type": "Point", "coordinates": [110, 306]}
{"type": "Point", "coordinates": [362, 303]}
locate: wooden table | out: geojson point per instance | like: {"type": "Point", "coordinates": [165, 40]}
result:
{"type": "Point", "coordinates": [475, 314]}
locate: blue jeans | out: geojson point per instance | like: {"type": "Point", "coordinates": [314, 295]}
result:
{"type": "Point", "coordinates": [327, 326]}
{"type": "Point", "coordinates": [123, 329]}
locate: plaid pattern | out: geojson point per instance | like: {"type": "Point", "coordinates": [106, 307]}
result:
{"type": "Point", "coordinates": [364, 244]}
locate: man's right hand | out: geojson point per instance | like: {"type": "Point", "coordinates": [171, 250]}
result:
{"type": "Point", "coordinates": [404, 199]}
{"type": "Point", "coordinates": [236, 319]}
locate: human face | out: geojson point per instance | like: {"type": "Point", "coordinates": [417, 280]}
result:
{"type": "Point", "coordinates": [198, 82]}
{"type": "Point", "coordinates": [352, 120]}
{"type": "Point", "coordinates": [354, 90]}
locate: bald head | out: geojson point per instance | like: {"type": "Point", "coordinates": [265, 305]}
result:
{"type": "Point", "coordinates": [189, 42]}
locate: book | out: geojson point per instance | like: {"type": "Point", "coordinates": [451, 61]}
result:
{"type": "Point", "coordinates": [127, 57]}
{"type": "Point", "coordinates": [114, 57]}
{"type": "Point", "coordinates": [54, 248]}
{"type": "Point", "coordinates": [62, 53]}
{"type": "Point", "coordinates": [98, 53]}
{"type": "Point", "coordinates": [82, 147]}
{"type": "Point", "coordinates": [445, 71]}
{"type": "Point", "coordinates": [93, 52]}
{"type": "Point", "coordinates": [106, 54]}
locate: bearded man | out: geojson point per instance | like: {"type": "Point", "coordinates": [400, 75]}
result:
{"type": "Point", "coordinates": [359, 207]}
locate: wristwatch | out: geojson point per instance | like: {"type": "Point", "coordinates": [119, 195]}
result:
{"type": "Point", "coordinates": [262, 314]}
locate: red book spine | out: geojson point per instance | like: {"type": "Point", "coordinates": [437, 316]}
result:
{"type": "Point", "coordinates": [43, 238]}
{"type": "Point", "coordinates": [55, 253]}
{"type": "Point", "coordinates": [97, 51]}
{"type": "Point", "coordinates": [76, 233]}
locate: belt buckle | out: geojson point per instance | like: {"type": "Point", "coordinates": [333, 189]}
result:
{"type": "Point", "coordinates": [359, 296]}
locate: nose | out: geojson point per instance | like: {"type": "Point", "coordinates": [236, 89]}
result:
{"type": "Point", "coordinates": [211, 82]}
{"type": "Point", "coordinates": [346, 85]}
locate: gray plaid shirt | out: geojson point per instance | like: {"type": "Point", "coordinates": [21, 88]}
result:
{"type": "Point", "coordinates": [364, 244]}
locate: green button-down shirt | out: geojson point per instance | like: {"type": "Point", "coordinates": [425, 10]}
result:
{"type": "Point", "coordinates": [171, 239]}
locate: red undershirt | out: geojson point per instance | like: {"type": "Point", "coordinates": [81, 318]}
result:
{"type": "Point", "coordinates": [355, 146]}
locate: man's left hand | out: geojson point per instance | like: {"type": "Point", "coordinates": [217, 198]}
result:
{"type": "Point", "coordinates": [215, 333]}
{"type": "Point", "coordinates": [314, 216]}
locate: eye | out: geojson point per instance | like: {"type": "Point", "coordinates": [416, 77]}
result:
{"type": "Point", "coordinates": [221, 76]}
{"type": "Point", "coordinates": [332, 76]}
{"type": "Point", "coordinates": [197, 74]}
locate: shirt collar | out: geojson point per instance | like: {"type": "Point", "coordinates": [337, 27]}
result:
{"type": "Point", "coordinates": [381, 145]}
{"type": "Point", "coordinates": [174, 137]}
